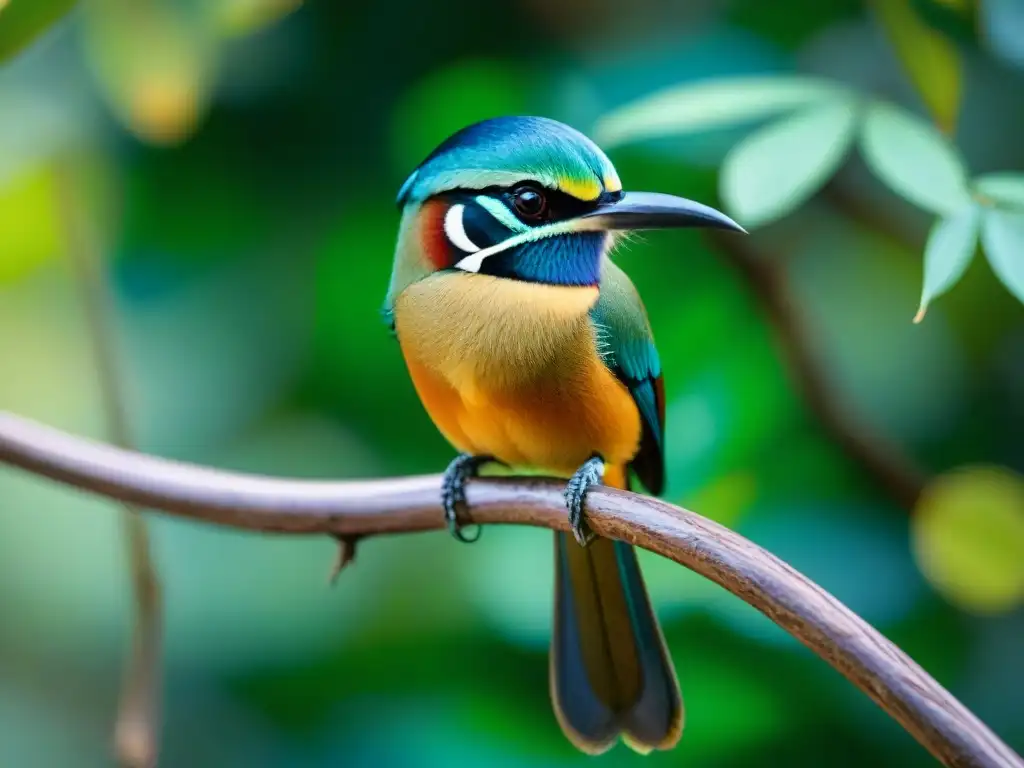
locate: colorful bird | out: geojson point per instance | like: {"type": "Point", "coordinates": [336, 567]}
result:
{"type": "Point", "coordinates": [529, 347]}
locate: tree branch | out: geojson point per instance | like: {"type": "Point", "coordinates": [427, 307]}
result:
{"type": "Point", "coordinates": [136, 733]}
{"type": "Point", "coordinates": [362, 508]}
{"type": "Point", "coordinates": [896, 472]}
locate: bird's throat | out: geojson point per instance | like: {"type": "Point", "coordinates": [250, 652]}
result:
{"type": "Point", "coordinates": [471, 325]}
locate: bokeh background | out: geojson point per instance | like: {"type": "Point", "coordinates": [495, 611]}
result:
{"type": "Point", "coordinates": [234, 163]}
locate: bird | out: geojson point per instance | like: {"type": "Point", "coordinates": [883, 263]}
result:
{"type": "Point", "coordinates": [530, 349]}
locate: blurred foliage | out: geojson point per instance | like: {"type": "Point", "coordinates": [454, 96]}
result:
{"type": "Point", "coordinates": [702, 106]}
{"type": "Point", "coordinates": [23, 20]}
{"type": "Point", "coordinates": [153, 62]}
{"type": "Point", "coordinates": [948, 253]}
{"type": "Point", "coordinates": [236, 18]}
{"type": "Point", "coordinates": [28, 223]}
{"type": "Point", "coordinates": [1003, 239]}
{"type": "Point", "coordinates": [240, 159]}
{"type": "Point", "coordinates": [1001, 21]}
{"type": "Point", "coordinates": [969, 537]}
{"type": "Point", "coordinates": [779, 167]}
{"type": "Point", "coordinates": [929, 57]}
{"type": "Point", "coordinates": [912, 158]}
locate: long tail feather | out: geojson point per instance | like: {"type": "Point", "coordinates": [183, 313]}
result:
{"type": "Point", "coordinates": [611, 674]}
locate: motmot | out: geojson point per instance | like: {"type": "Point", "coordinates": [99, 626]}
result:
{"type": "Point", "coordinates": [530, 348]}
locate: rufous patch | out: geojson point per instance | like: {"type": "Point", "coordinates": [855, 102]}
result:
{"type": "Point", "coordinates": [435, 244]}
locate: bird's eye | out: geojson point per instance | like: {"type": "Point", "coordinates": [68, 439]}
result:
{"type": "Point", "coordinates": [530, 202]}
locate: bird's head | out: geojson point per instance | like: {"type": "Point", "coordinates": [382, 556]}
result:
{"type": "Point", "coordinates": [526, 198]}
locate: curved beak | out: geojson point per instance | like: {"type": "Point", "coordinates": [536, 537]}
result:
{"type": "Point", "coordinates": [653, 210]}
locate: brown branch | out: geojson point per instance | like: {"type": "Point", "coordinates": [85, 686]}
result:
{"type": "Point", "coordinates": [363, 508]}
{"type": "Point", "coordinates": [136, 733]}
{"type": "Point", "coordinates": [896, 472]}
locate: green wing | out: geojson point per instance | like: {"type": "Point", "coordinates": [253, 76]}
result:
{"type": "Point", "coordinates": [627, 346]}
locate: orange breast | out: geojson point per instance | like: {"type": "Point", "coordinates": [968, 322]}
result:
{"type": "Point", "coordinates": [511, 370]}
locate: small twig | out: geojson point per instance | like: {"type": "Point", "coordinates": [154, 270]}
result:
{"type": "Point", "coordinates": [345, 557]}
{"type": "Point", "coordinates": [136, 738]}
{"type": "Point", "coordinates": [364, 508]}
{"type": "Point", "coordinates": [894, 470]}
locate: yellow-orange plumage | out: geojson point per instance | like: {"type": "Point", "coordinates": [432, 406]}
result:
{"type": "Point", "coordinates": [515, 372]}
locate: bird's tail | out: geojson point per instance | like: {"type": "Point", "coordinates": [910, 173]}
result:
{"type": "Point", "coordinates": [611, 674]}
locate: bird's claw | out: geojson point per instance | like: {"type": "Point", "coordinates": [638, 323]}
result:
{"type": "Point", "coordinates": [590, 474]}
{"type": "Point", "coordinates": [453, 492]}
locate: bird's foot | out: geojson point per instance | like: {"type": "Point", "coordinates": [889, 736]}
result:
{"type": "Point", "coordinates": [453, 492]}
{"type": "Point", "coordinates": [590, 474]}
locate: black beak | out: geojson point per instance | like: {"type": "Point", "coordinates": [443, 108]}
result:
{"type": "Point", "coordinates": [653, 210]}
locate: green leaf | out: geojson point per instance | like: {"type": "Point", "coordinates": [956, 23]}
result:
{"type": "Point", "coordinates": [238, 18]}
{"type": "Point", "coordinates": [774, 170]}
{"type": "Point", "coordinates": [949, 250]}
{"type": "Point", "coordinates": [710, 105]}
{"type": "Point", "coordinates": [154, 63]}
{"type": "Point", "coordinates": [22, 21]}
{"type": "Point", "coordinates": [929, 58]}
{"type": "Point", "coordinates": [29, 225]}
{"type": "Point", "coordinates": [914, 160]}
{"type": "Point", "coordinates": [1004, 188]}
{"type": "Point", "coordinates": [1003, 237]}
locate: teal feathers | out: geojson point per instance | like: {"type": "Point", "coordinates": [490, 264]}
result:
{"type": "Point", "coordinates": [504, 151]}
{"type": "Point", "coordinates": [627, 346]}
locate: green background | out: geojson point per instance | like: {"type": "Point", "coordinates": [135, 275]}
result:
{"type": "Point", "coordinates": [249, 257]}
